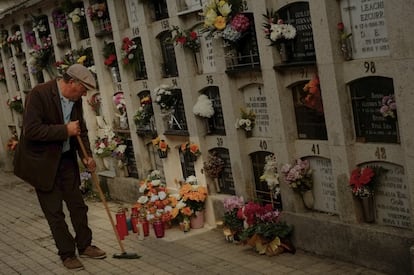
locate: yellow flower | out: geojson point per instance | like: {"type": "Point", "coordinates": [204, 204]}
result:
{"type": "Point", "coordinates": [210, 18]}
{"type": "Point", "coordinates": [220, 23]}
{"type": "Point", "coordinates": [81, 59]}
{"type": "Point", "coordinates": [155, 141]}
{"type": "Point", "coordinates": [224, 8]}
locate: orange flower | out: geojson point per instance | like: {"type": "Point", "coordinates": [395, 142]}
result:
{"type": "Point", "coordinates": [187, 211]}
{"type": "Point", "coordinates": [220, 23]}
{"type": "Point", "coordinates": [194, 148]}
{"type": "Point", "coordinates": [162, 145]}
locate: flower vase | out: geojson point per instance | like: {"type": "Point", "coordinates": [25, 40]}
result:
{"type": "Point", "coordinates": [123, 122]}
{"type": "Point", "coordinates": [248, 134]}
{"type": "Point", "coordinates": [283, 52]}
{"type": "Point", "coordinates": [308, 199]}
{"type": "Point", "coordinates": [162, 154]}
{"type": "Point", "coordinates": [115, 75]}
{"type": "Point", "coordinates": [197, 220]}
{"type": "Point", "coordinates": [185, 225]}
{"type": "Point", "coordinates": [145, 226]}
{"type": "Point", "coordinates": [109, 163]}
{"type": "Point", "coordinates": [100, 121]}
{"type": "Point", "coordinates": [368, 208]}
{"type": "Point", "coordinates": [346, 49]}
{"type": "Point", "coordinates": [198, 62]}
{"type": "Point", "coordinates": [159, 229]}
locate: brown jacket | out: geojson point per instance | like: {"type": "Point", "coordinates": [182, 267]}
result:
{"type": "Point", "coordinates": [39, 150]}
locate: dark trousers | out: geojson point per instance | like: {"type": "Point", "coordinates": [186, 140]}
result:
{"type": "Point", "coordinates": [66, 188]}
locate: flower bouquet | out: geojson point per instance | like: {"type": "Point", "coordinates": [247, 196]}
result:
{"type": "Point", "coordinates": [165, 97]}
{"type": "Point", "coordinates": [161, 146]}
{"type": "Point", "coordinates": [110, 55]}
{"type": "Point", "coordinates": [313, 98]}
{"type": "Point", "coordinates": [237, 26]}
{"type": "Point", "coordinates": [76, 56]}
{"type": "Point", "coordinates": [2, 75]}
{"type": "Point", "coordinates": [363, 180]}
{"type": "Point", "coordinates": [346, 47]}
{"type": "Point", "coordinates": [77, 15]}
{"type": "Point", "coordinates": [144, 113]}
{"type": "Point", "coordinates": [270, 175]}
{"type": "Point", "coordinates": [97, 11]}
{"type": "Point", "coordinates": [155, 203]}
{"type": "Point", "coordinates": [41, 56]}
{"type": "Point", "coordinates": [186, 38]}
{"type": "Point", "coordinates": [191, 149]}
{"type": "Point", "coordinates": [279, 33]}
{"type": "Point", "coordinates": [106, 143]}
{"type": "Point", "coordinates": [217, 14]}
{"type": "Point", "coordinates": [16, 104]}
{"type": "Point", "coordinates": [203, 107]}
{"type": "Point", "coordinates": [264, 230]}
{"type": "Point", "coordinates": [193, 195]}
{"type": "Point", "coordinates": [59, 20]}
{"type": "Point", "coordinates": [129, 53]}
{"type": "Point", "coordinates": [298, 176]}
{"type": "Point", "coordinates": [213, 166]}
{"type": "Point", "coordinates": [233, 225]}
{"type": "Point", "coordinates": [15, 40]}
{"type": "Point", "coordinates": [247, 120]}
{"type": "Point", "coordinates": [388, 107]}
{"type": "Point", "coordinates": [276, 30]}
{"type": "Point", "coordinates": [95, 103]}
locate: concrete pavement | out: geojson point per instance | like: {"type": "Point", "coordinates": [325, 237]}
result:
{"type": "Point", "coordinates": [26, 246]}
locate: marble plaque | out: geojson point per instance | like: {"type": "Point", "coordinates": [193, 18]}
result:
{"type": "Point", "coordinates": [255, 100]}
{"type": "Point", "coordinates": [365, 19]}
{"type": "Point", "coordinates": [392, 199]}
{"type": "Point", "coordinates": [132, 10]}
{"type": "Point", "coordinates": [324, 189]}
{"type": "Point", "coordinates": [207, 53]}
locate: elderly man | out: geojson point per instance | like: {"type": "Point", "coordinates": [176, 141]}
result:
{"type": "Point", "coordinates": [46, 157]}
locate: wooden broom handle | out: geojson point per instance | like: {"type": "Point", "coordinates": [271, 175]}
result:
{"type": "Point", "coordinates": [95, 180]}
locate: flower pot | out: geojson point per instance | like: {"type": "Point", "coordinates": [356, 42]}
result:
{"type": "Point", "coordinates": [308, 199]}
{"type": "Point", "coordinates": [346, 49]}
{"type": "Point", "coordinates": [159, 229]}
{"type": "Point", "coordinates": [198, 62]}
{"type": "Point", "coordinates": [185, 225]}
{"type": "Point", "coordinates": [367, 204]}
{"type": "Point", "coordinates": [162, 154]}
{"type": "Point", "coordinates": [145, 226]}
{"type": "Point", "coordinates": [197, 220]}
{"type": "Point", "coordinates": [100, 121]}
{"type": "Point", "coordinates": [109, 163]}
{"type": "Point", "coordinates": [248, 134]}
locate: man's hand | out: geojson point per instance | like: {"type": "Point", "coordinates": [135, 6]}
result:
{"type": "Point", "coordinates": [73, 128]}
{"type": "Point", "coordinates": [90, 164]}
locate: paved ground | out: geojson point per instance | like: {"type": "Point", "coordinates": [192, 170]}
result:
{"type": "Point", "coordinates": [26, 246]}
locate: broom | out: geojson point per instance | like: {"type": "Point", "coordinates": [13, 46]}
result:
{"type": "Point", "coordinates": [95, 179]}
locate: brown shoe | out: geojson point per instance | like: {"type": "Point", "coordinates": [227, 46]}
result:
{"type": "Point", "coordinates": [73, 263]}
{"type": "Point", "coordinates": [93, 252]}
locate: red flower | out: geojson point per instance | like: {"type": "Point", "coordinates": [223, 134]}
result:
{"type": "Point", "coordinates": [181, 40]}
{"type": "Point", "coordinates": [193, 35]}
{"type": "Point", "coordinates": [340, 26]}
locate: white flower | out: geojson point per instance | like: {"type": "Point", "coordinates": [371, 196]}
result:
{"type": "Point", "coordinates": [203, 107]}
{"type": "Point", "coordinates": [191, 180]}
{"type": "Point", "coordinates": [156, 182]}
{"type": "Point", "coordinates": [162, 195]}
{"type": "Point", "coordinates": [142, 188]}
{"type": "Point", "coordinates": [168, 208]}
{"type": "Point", "coordinates": [224, 8]}
{"type": "Point", "coordinates": [290, 32]}
{"type": "Point", "coordinates": [142, 200]}
{"type": "Point", "coordinates": [154, 198]}
{"type": "Point", "coordinates": [180, 204]}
